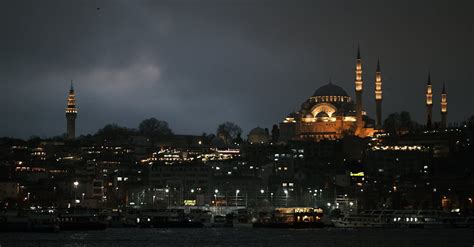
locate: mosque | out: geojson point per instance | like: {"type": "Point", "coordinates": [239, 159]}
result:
{"type": "Point", "coordinates": [330, 113]}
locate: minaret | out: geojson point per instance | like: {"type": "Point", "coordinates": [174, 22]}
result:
{"type": "Point", "coordinates": [444, 108]}
{"type": "Point", "coordinates": [358, 89]}
{"type": "Point", "coordinates": [429, 103]}
{"type": "Point", "coordinates": [378, 96]}
{"type": "Point", "coordinates": [71, 114]}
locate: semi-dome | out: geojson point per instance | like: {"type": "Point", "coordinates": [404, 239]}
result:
{"type": "Point", "coordinates": [330, 90]}
{"type": "Point", "coordinates": [322, 114]}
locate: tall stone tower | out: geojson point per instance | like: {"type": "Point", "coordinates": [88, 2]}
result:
{"type": "Point", "coordinates": [358, 89]}
{"type": "Point", "coordinates": [429, 103]}
{"type": "Point", "coordinates": [71, 114]}
{"type": "Point", "coordinates": [444, 108]}
{"type": "Point", "coordinates": [378, 96]}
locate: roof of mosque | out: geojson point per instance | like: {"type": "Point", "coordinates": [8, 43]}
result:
{"type": "Point", "coordinates": [330, 90]}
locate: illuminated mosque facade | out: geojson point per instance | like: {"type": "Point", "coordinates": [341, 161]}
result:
{"type": "Point", "coordinates": [330, 113]}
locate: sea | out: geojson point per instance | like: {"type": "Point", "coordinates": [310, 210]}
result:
{"type": "Point", "coordinates": [324, 237]}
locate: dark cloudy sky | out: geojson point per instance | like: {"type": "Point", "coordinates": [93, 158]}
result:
{"type": "Point", "coordinates": [198, 63]}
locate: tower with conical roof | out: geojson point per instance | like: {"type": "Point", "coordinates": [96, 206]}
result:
{"type": "Point", "coordinates": [378, 97]}
{"type": "Point", "coordinates": [358, 89]}
{"type": "Point", "coordinates": [429, 103]}
{"type": "Point", "coordinates": [71, 114]}
{"type": "Point", "coordinates": [444, 108]}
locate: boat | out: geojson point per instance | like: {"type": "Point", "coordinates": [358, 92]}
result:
{"type": "Point", "coordinates": [166, 218]}
{"type": "Point", "coordinates": [371, 219]}
{"type": "Point", "coordinates": [83, 221]}
{"type": "Point", "coordinates": [27, 221]}
{"type": "Point", "coordinates": [222, 220]}
{"type": "Point", "coordinates": [295, 217]}
{"type": "Point", "coordinates": [402, 219]}
{"type": "Point", "coordinates": [242, 218]}
{"type": "Point", "coordinates": [203, 216]}
{"type": "Point", "coordinates": [43, 222]}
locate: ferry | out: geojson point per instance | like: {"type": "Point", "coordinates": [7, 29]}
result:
{"type": "Point", "coordinates": [294, 217]}
{"type": "Point", "coordinates": [368, 219]}
{"type": "Point", "coordinates": [403, 219]}
{"type": "Point", "coordinates": [27, 221]}
{"type": "Point", "coordinates": [83, 221]}
{"type": "Point", "coordinates": [166, 218]}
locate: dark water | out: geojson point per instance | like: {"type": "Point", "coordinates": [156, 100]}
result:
{"type": "Point", "coordinates": [246, 237]}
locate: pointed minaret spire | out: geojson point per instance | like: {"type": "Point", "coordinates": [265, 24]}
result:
{"type": "Point", "coordinates": [429, 103]}
{"type": "Point", "coordinates": [358, 90]}
{"type": "Point", "coordinates": [378, 97]}
{"type": "Point", "coordinates": [72, 86]}
{"type": "Point", "coordinates": [444, 108]}
{"type": "Point", "coordinates": [358, 52]}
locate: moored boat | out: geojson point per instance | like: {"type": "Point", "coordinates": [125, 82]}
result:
{"type": "Point", "coordinates": [402, 219]}
{"type": "Point", "coordinates": [166, 219]}
{"type": "Point", "coordinates": [80, 222]}
{"type": "Point", "coordinates": [292, 218]}
{"type": "Point", "coordinates": [27, 221]}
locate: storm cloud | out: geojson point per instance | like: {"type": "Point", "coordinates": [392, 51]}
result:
{"type": "Point", "coordinates": [197, 63]}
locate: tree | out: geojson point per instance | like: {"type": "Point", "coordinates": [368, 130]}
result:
{"type": "Point", "coordinates": [470, 122]}
{"type": "Point", "coordinates": [275, 133]}
{"type": "Point", "coordinates": [228, 131]}
{"type": "Point", "coordinates": [405, 121]}
{"type": "Point", "coordinates": [114, 132]}
{"type": "Point", "coordinates": [154, 128]}
{"type": "Point", "coordinates": [391, 123]}
{"type": "Point", "coordinates": [397, 122]}
{"type": "Point", "coordinates": [207, 138]}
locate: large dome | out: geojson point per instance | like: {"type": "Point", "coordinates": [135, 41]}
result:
{"type": "Point", "coordinates": [330, 90]}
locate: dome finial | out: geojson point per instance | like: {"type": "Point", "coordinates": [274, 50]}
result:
{"type": "Point", "coordinates": [444, 89]}
{"type": "Point", "coordinates": [330, 80]}
{"type": "Point", "coordinates": [378, 65]}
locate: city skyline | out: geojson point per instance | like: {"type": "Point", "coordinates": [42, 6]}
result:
{"type": "Point", "coordinates": [228, 71]}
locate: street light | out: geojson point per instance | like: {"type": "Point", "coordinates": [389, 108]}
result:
{"type": "Point", "coordinates": [236, 195]}
{"type": "Point", "coordinates": [286, 197]}
{"type": "Point", "coordinates": [167, 194]}
{"type": "Point", "coordinates": [76, 183]}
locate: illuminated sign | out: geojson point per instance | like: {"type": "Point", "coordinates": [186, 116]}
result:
{"type": "Point", "coordinates": [357, 174]}
{"type": "Point", "coordinates": [189, 202]}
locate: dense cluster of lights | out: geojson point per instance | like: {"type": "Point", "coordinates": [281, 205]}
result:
{"type": "Point", "coordinates": [399, 148]}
